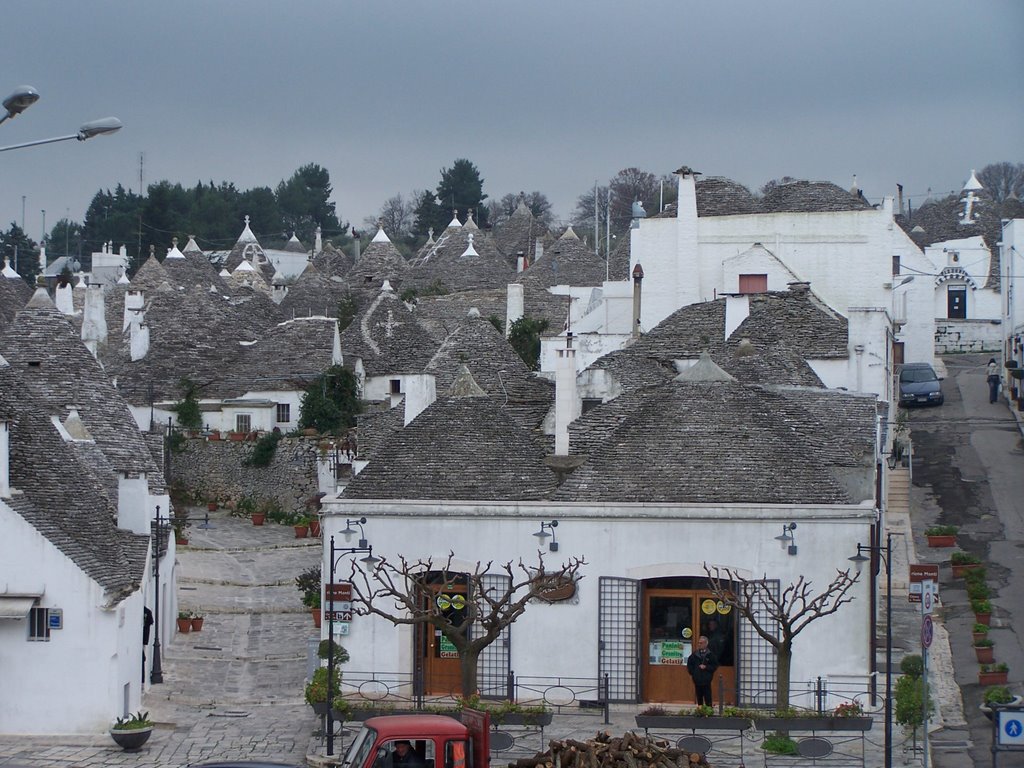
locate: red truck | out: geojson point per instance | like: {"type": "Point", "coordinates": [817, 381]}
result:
{"type": "Point", "coordinates": [434, 741]}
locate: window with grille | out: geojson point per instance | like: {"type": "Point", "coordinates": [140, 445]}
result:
{"type": "Point", "coordinates": [757, 659]}
{"type": "Point", "coordinates": [284, 413]}
{"type": "Point", "coordinates": [39, 625]}
{"type": "Point", "coordinates": [243, 422]}
{"type": "Point", "coordinates": [618, 654]}
{"type": "Point", "coordinates": [895, 265]}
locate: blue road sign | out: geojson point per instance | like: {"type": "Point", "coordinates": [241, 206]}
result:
{"type": "Point", "coordinates": [1011, 728]}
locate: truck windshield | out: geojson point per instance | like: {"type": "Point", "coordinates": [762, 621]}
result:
{"type": "Point", "coordinates": [360, 748]}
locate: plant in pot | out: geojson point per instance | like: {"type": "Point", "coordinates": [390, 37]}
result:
{"type": "Point", "coordinates": [197, 622]}
{"type": "Point", "coordinates": [993, 674]}
{"type": "Point", "coordinates": [180, 525]}
{"type": "Point", "coordinates": [984, 651]}
{"type": "Point", "coordinates": [301, 526]}
{"type": "Point", "coordinates": [996, 696]}
{"type": "Point", "coordinates": [941, 535]}
{"type": "Point", "coordinates": [308, 583]}
{"type": "Point", "coordinates": [963, 561]}
{"type": "Point", "coordinates": [909, 694]}
{"type": "Point", "coordinates": [979, 632]}
{"type": "Point", "coordinates": [316, 689]}
{"type": "Point", "coordinates": [982, 611]}
{"type": "Point", "coordinates": [248, 506]}
{"type": "Point", "coordinates": [184, 622]}
{"type": "Point", "coordinates": [131, 732]}
{"type": "Point", "coordinates": [978, 590]}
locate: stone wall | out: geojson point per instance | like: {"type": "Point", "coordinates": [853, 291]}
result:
{"type": "Point", "coordinates": [967, 336]}
{"type": "Point", "coordinates": [215, 468]}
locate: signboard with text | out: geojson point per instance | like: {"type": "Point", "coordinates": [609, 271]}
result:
{"type": "Point", "coordinates": [920, 572]}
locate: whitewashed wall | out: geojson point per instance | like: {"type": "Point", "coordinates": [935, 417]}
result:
{"type": "Point", "coordinates": [629, 540]}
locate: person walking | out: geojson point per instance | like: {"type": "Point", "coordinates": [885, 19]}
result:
{"type": "Point", "coordinates": [993, 380]}
{"type": "Point", "coordinates": [701, 666]}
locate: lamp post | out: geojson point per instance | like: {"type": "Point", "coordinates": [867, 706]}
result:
{"type": "Point", "coordinates": [335, 554]}
{"type": "Point", "coordinates": [884, 554]}
{"type": "Point", "coordinates": [156, 675]}
{"type": "Point", "coordinates": [100, 127]}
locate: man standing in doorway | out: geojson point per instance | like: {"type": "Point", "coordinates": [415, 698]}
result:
{"type": "Point", "coordinates": [702, 665]}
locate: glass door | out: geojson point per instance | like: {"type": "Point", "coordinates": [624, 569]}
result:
{"type": "Point", "coordinates": [668, 639]}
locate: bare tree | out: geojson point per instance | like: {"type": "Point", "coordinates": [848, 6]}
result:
{"type": "Point", "coordinates": [403, 593]}
{"type": "Point", "coordinates": [397, 215]}
{"type": "Point", "coordinates": [537, 202]}
{"type": "Point", "coordinates": [1003, 179]}
{"type": "Point", "coordinates": [792, 609]}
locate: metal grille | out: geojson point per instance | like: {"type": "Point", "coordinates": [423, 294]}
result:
{"type": "Point", "coordinates": [619, 637]}
{"type": "Point", "coordinates": [757, 659]}
{"type": "Point", "coordinates": [494, 662]}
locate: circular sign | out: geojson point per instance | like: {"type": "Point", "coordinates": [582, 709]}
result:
{"type": "Point", "coordinates": [443, 602]}
{"type": "Point", "coordinates": [724, 608]}
{"type": "Point", "coordinates": [927, 632]}
{"type": "Point", "coordinates": [458, 602]}
{"type": "Point", "coordinates": [709, 606]}
{"type": "Point", "coordinates": [687, 633]}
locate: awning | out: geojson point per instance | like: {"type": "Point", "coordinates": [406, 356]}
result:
{"type": "Point", "coordinates": [15, 607]}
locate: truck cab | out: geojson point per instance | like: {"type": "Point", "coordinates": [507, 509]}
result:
{"type": "Point", "coordinates": [435, 741]}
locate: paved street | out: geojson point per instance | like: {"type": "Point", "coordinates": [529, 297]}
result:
{"type": "Point", "coordinates": [968, 472]}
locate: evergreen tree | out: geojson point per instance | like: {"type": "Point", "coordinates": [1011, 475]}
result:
{"type": "Point", "coordinates": [21, 252]}
{"type": "Point", "coordinates": [331, 402]}
{"type": "Point", "coordinates": [461, 189]}
{"type": "Point", "coordinates": [304, 202]}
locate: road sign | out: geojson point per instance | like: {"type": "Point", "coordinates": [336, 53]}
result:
{"type": "Point", "coordinates": [920, 572]}
{"type": "Point", "coordinates": [927, 632]}
{"type": "Point", "coordinates": [338, 615]}
{"type": "Point", "coordinates": [927, 597]}
{"type": "Point", "coordinates": [1011, 728]}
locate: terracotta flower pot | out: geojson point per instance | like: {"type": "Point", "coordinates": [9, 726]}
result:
{"type": "Point", "coordinates": [212, 506]}
{"type": "Point", "coordinates": [181, 541]}
{"type": "Point", "coordinates": [301, 531]}
{"type": "Point", "coordinates": [197, 624]}
{"type": "Point", "coordinates": [985, 654]}
{"type": "Point", "coordinates": [976, 636]}
{"type": "Point", "coordinates": [317, 617]}
{"type": "Point", "coordinates": [942, 541]}
{"type": "Point", "coordinates": [184, 626]}
{"type": "Point", "coordinates": [258, 518]}
{"type": "Point", "coordinates": [992, 678]}
{"type": "Point", "coordinates": [983, 618]}
{"type": "Point", "coordinates": [960, 570]}
{"type": "Point", "coordinates": [314, 528]}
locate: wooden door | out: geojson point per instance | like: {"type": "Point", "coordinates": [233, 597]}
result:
{"type": "Point", "coordinates": [442, 671]}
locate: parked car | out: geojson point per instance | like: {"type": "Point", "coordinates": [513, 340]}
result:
{"type": "Point", "coordinates": [919, 385]}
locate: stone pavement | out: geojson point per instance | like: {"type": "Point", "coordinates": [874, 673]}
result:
{"type": "Point", "coordinates": [234, 690]}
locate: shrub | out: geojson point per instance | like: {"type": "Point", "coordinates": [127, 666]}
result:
{"type": "Point", "coordinates": [909, 695]}
{"type": "Point", "coordinates": [981, 606]}
{"type": "Point", "coordinates": [964, 558]}
{"type": "Point", "coordinates": [263, 452]}
{"type": "Point", "coordinates": [779, 744]}
{"type": "Point", "coordinates": [133, 722]}
{"type": "Point", "coordinates": [316, 689]}
{"type": "Point", "coordinates": [941, 530]}
{"type": "Point", "coordinates": [975, 576]}
{"type": "Point", "coordinates": [308, 583]}
{"type": "Point", "coordinates": [997, 694]}
{"type": "Point", "coordinates": [187, 409]}
{"type": "Point", "coordinates": [978, 590]}
{"type": "Point", "coordinates": [1000, 667]}
{"type": "Point", "coordinates": [985, 642]}
{"type": "Point", "coordinates": [912, 665]}
{"type": "Point", "coordinates": [983, 628]}
{"type": "Point", "coordinates": [340, 654]}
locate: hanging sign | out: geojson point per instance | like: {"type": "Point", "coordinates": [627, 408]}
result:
{"type": "Point", "coordinates": [724, 608]}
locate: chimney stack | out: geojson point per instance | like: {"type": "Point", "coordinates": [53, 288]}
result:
{"type": "Point", "coordinates": [567, 406]}
{"type": "Point", "coordinates": [638, 277]}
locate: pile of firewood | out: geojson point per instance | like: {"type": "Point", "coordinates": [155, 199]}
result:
{"type": "Point", "coordinates": [604, 751]}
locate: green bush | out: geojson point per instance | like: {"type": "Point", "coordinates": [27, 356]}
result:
{"type": "Point", "coordinates": [997, 694]}
{"type": "Point", "coordinates": [263, 452]}
{"type": "Point", "coordinates": [187, 409]}
{"type": "Point", "coordinates": [981, 606]}
{"type": "Point", "coordinates": [779, 744]}
{"type": "Point", "coordinates": [964, 558]}
{"type": "Point", "coordinates": [316, 689]}
{"type": "Point", "coordinates": [340, 654]}
{"type": "Point", "coordinates": [909, 694]}
{"type": "Point", "coordinates": [912, 665]}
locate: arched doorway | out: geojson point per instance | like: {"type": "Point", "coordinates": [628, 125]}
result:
{"type": "Point", "coordinates": [675, 612]}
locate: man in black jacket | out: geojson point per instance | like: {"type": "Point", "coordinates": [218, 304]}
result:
{"type": "Point", "coordinates": [702, 665]}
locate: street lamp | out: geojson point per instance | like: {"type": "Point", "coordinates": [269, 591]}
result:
{"type": "Point", "coordinates": [24, 96]}
{"type": "Point", "coordinates": [885, 555]}
{"type": "Point", "coordinates": [156, 675]}
{"type": "Point", "coordinates": [335, 554]}
{"type": "Point", "coordinates": [99, 127]}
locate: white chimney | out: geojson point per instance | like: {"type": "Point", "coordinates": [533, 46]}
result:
{"type": "Point", "coordinates": [139, 341]}
{"type": "Point", "coordinates": [515, 306]}
{"type": "Point", "coordinates": [567, 405]}
{"type": "Point", "coordinates": [737, 309]}
{"type": "Point", "coordinates": [63, 300]}
{"type": "Point", "coordinates": [133, 303]}
{"type": "Point", "coordinates": [520, 262]}
{"type": "Point", "coordinates": [5, 459]}
{"type": "Point", "coordinates": [420, 391]}
{"type": "Point", "coordinates": [42, 259]}
{"type": "Point", "coordinates": [538, 251]}
{"type": "Point", "coordinates": [94, 318]}
{"type": "Point", "coordinates": [318, 243]}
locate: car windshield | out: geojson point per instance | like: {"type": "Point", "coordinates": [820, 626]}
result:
{"type": "Point", "coordinates": [917, 375]}
{"type": "Point", "coordinates": [357, 753]}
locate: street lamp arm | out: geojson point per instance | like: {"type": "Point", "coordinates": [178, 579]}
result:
{"type": "Point", "coordinates": [87, 131]}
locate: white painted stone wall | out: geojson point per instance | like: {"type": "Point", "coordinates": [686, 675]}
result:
{"type": "Point", "coordinates": [49, 685]}
{"type": "Point", "coordinates": [627, 540]}
{"type": "Point", "coordinates": [1012, 261]}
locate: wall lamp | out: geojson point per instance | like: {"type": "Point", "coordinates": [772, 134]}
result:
{"type": "Point", "coordinates": [543, 534]}
{"type": "Point", "coordinates": [788, 537]}
{"type": "Point", "coordinates": [349, 531]}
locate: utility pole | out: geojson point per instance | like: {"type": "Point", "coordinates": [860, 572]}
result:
{"type": "Point", "coordinates": [597, 227]}
{"type": "Point", "coordinates": [22, 213]}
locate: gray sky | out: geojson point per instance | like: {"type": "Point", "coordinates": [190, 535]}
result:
{"type": "Point", "coordinates": [540, 94]}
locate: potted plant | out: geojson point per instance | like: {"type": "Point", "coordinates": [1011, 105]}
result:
{"type": "Point", "coordinates": [982, 611]}
{"type": "Point", "coordinates": [979, 632]}
{"type": "Point", "coordinates": [984, 651]}
{"type": "Point", "coordinates": [301, 526]}
{"type": "Point", "coordinates": [909, 694]}
{"type": "Point", "coordinates": [316, 689]}
{"type": "Point", "coordinates": [996, 696]}
{"type": "Point", "coordinates": [308, 583]}
{"type": "Point", "coordinates": [131, 732]}
{"type": "Point", "coordinates": [184, 622]}
{"type": "Point", "coordinates": [978, 590]}
{"type": "Point", "coordinates": [341, 709]}
{"type": "Point", "coordinates": [941, 535]}
{"type": "Point", "coordinates": [779, 744]}
{"type": "Point", "coordinates": [197, 622]}
{"type": "Point", "coordinates": [247, 506]}
{"type": "Point", "coordinates": [314, 526]}
{"type": "Point", "coordinates": [963, 561]}
{"type": "Point", "coordinates": [993, 674]}
{"type": "Point", "coordinates": [179, 522]}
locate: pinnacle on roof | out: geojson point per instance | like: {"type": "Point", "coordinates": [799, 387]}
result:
{"type": "Point", "coordinates": [247, 236]}
{"type": "Point", "coordinates": [972, 185]}
{"type": "Point", "coordinates": [430, 237]}
{"type": "Point", "coordinates": [244, 266]}
{"type": "Point", "coordinates": [470, 224]}
{"type": "Point", "coordinates": [465, 385]}
{"type": "Point", "coordinates": [123, 279]}
{"type": "Point", "coordinates": [191, 245]}
{"type": "Point", "coordinates": [8, 271]}
{"type": "Point", "coordinates": [705, 369]}
{"type": "Point", "coordinates": [470, 250]}
{"type": "Point", "coordinates": [387, 286]}
{"type": "Point", "coordinates": [40, 299]}
{"type": "Point", "coordinates": [569, 234]}
{"type": "Point", "coordinates": [455, 220]}
{"type": "Point", "coordinates": [174, 253]}
{"type": "Point", "coordinates": [381, 237]}
{"type": "Point", "coordinates": [523, 207]}
{"type": "Point", "coordinates": [854, 189]}
{"type": "Point", "coordinates": [224, 272]}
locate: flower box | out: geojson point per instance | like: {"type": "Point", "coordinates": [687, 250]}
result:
{"type": "Point", "coordinates": [692, 723]}
{"type": "Point", "coordinates": [942, 540]}
{"type": "Point", "coordinates": [521, 718]}
{"type": "Point", "coordinates": [823, 723]}
{"type": "Point", "coordinates": [992, 678]}
{"type": "Point", "coordinates": [960, 569]}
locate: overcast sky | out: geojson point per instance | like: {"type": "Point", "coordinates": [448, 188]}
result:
{"type": "Point", "coordinates": [548, 95]}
